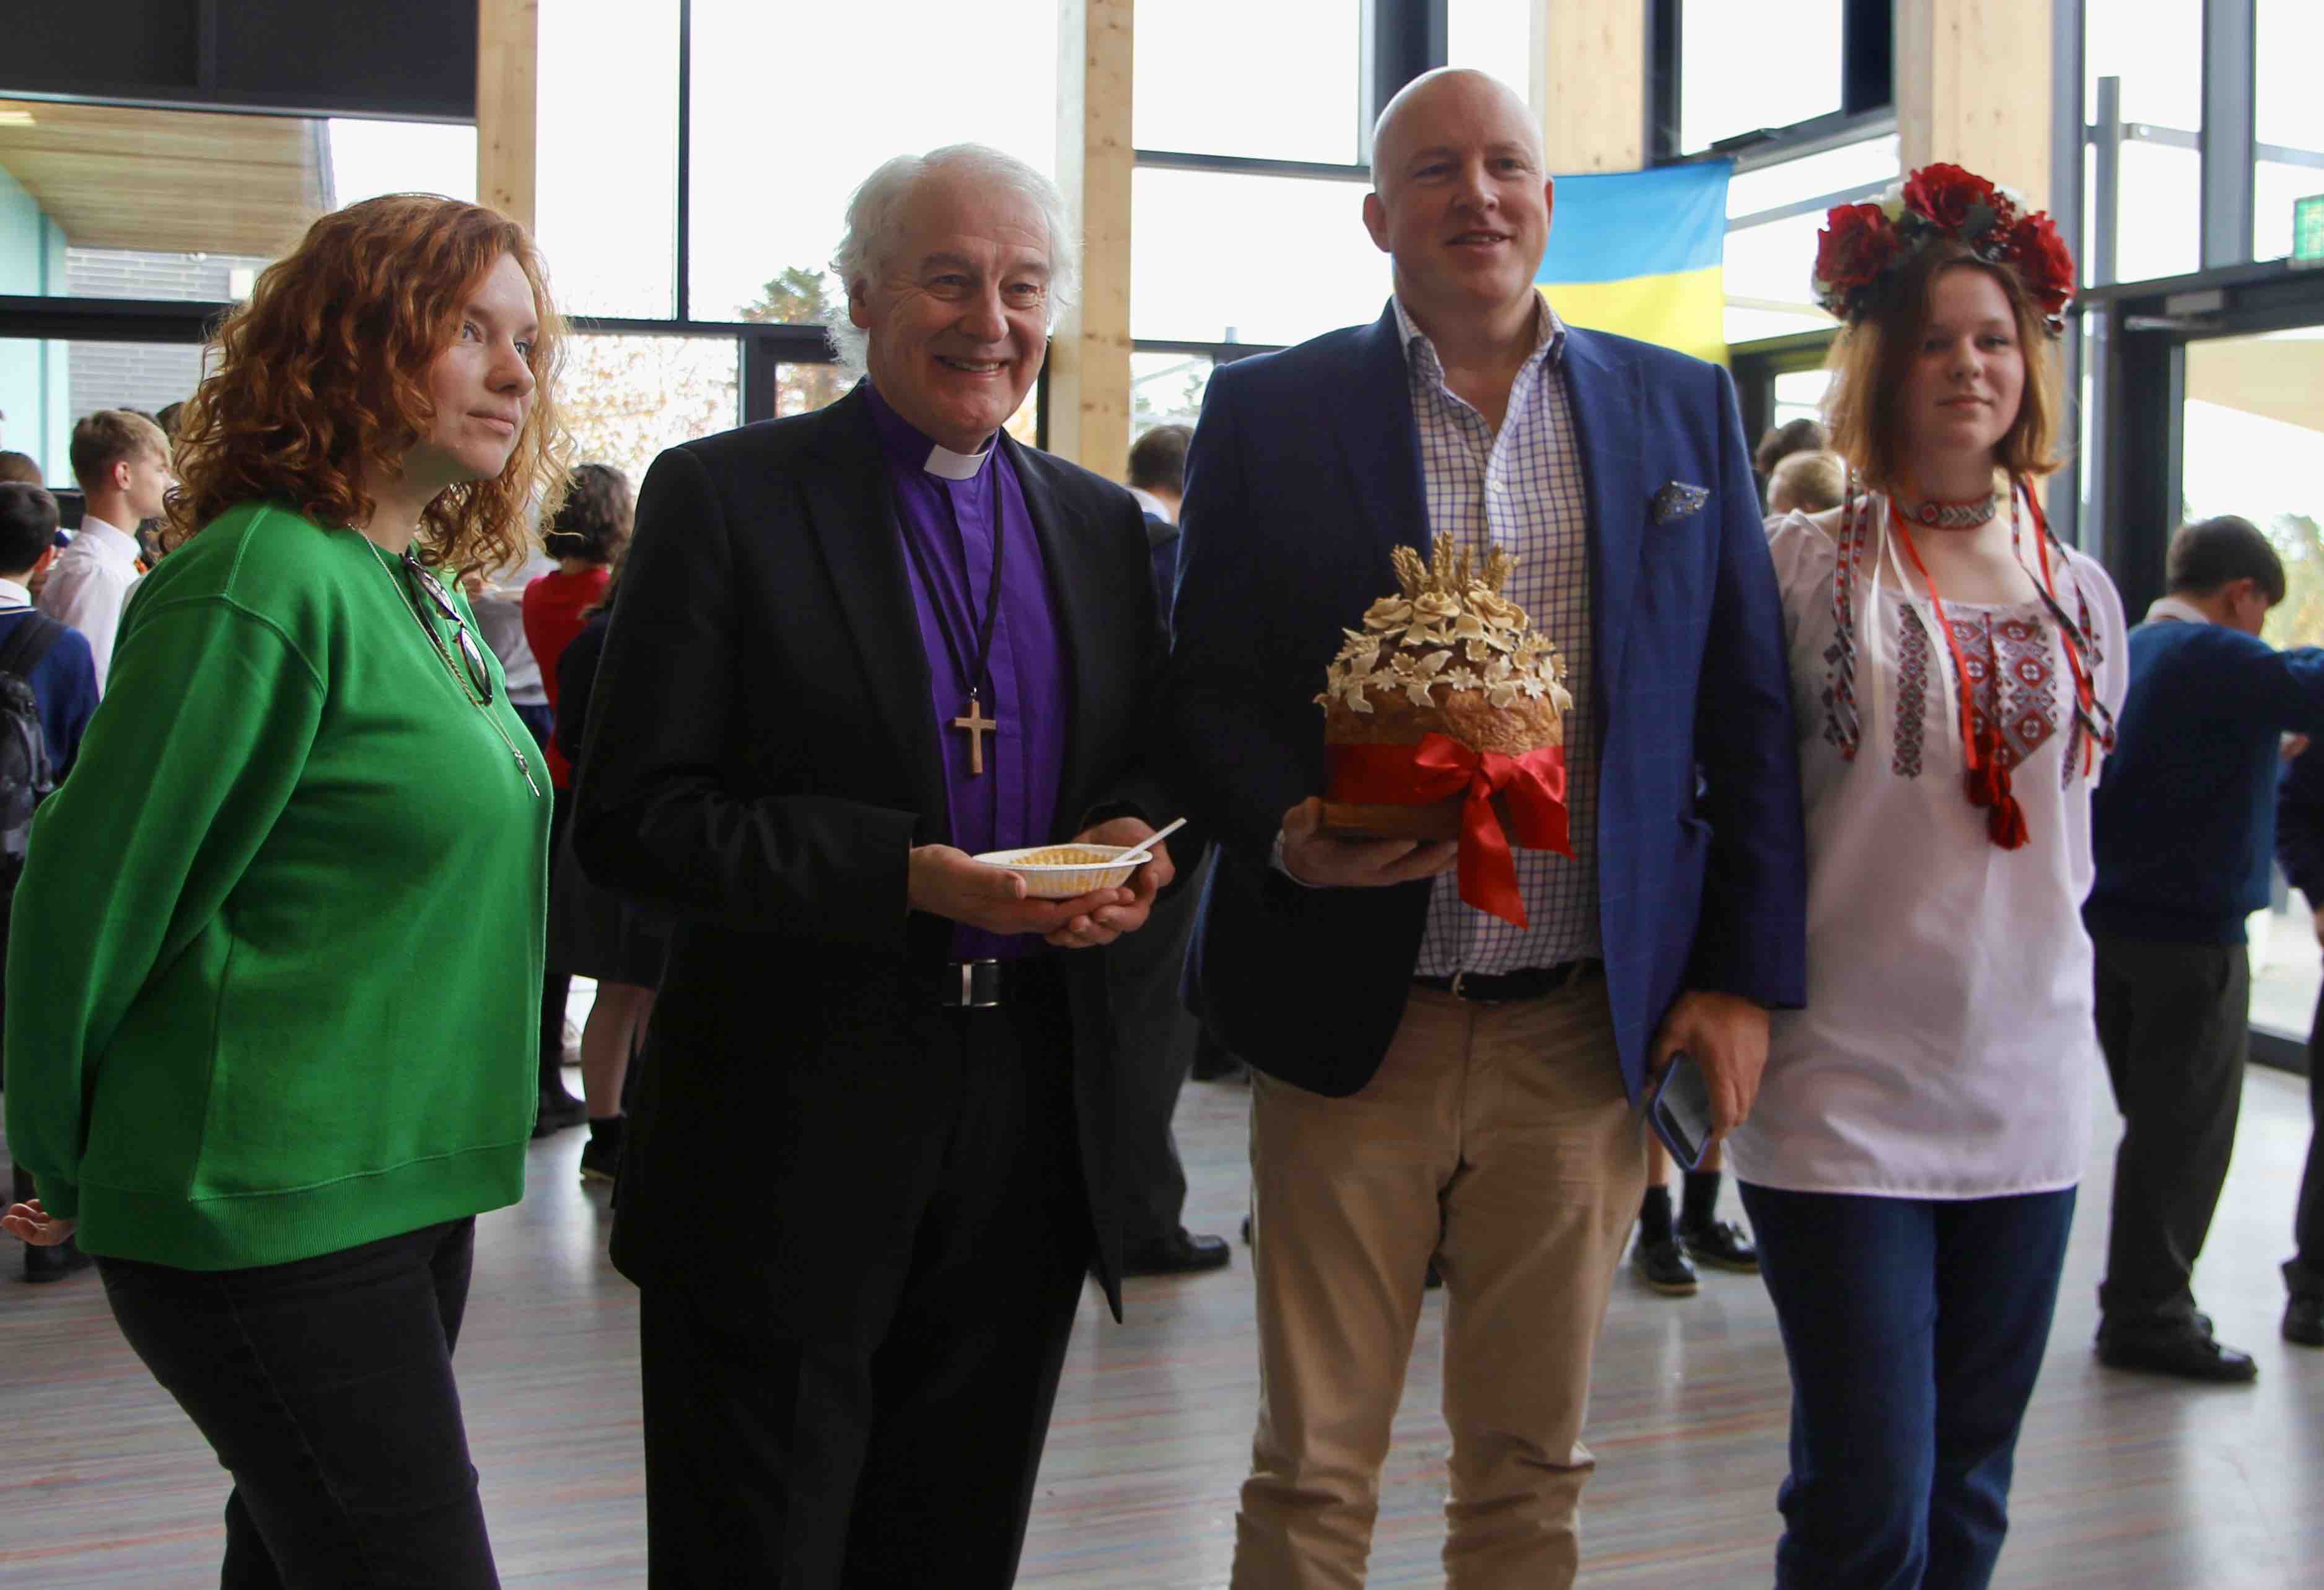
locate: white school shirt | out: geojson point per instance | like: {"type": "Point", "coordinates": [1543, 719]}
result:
{"type": "Point", "coordinates": [1947, 1047]}
{"type": "Point", "coordinates": [89, 584]}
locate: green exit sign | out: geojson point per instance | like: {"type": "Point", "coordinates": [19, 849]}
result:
{"type": "Point", "coordinates": [2308, 230]}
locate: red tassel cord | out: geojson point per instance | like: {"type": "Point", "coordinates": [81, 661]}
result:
{"type": "Point", "coordinates": [1989, 783]}
{"type": "Point", "coordinates": [1986, 776]}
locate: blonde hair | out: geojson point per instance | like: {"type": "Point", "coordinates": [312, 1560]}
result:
{"type": "Point", "coordinates": [109, 437]}
{"type": "Point", "coordinates": [1807, 481]}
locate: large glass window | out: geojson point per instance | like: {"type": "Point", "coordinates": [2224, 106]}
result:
{"type": "Point", "coordinates": [1799, 395]}
{"type": "Point", "coordinates": [791, 112]}
{"type": "Point", "coordinates": [1767, 269]}
{"type": "Point", "coordinates": [2253, 444]}
{"type": "Point", "coordinates": [605, 176]}
{"type": "Point", "coordinates": [802, 388]}
{"type": "Point", "coordinates": [1493, 36]}
{"type": "Point", "coordinates": [2155, 48]}
{"type": "Point", "coordinates": [113, 201]}
{"type": "Point", "coordinates": [1166, 389]}
{"type": "Point", "coordinates": [1747, 67]}
{"type": "Point", "coordinates": [1768, 265]}
{"type": "Point", "coordinates": [119, 202]}
{"type": "Point", "coordinates": [628, 397]}
{"type": "Point", "coordinates": [1278, 81]}
{"type": "Point", "coordinates": [1849, 169]}
{"type": "Point", "coordinates": [47, 385]}
{"type": "Point", "coordinates": [1201, 273]}
{"type": "Point", "coordinates": [372, 158]}
{"type": "Point", "coordinates": [2287, 114]}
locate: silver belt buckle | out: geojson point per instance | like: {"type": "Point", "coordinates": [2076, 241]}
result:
{"type": "Point", "coordinates": [968, 981]}
{"type": "Point", "coordinates": [1455, 989]}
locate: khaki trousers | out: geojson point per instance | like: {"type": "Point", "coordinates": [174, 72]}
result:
{"type": "Point", "coordinates": [1498, 1140]}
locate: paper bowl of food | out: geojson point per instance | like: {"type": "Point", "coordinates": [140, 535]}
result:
{"type": "Point", "coordinates": [1062, 872]}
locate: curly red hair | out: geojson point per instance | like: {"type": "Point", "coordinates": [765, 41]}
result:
{"type": "Point", "coordinates": [322, 376]}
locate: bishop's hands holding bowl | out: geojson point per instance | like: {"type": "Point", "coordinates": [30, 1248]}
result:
{"type": "Point", "coordinates": [949, 882]}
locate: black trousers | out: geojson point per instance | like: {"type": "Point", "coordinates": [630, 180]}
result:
{"type": "Point", "coordinates": [1155, 1038]}
{"type": "Point", "coordinates": [2303, 1273]}
{"type": "Point", "coordinates": [2175, 1023]}
{"type": "Point", "coordinates": [325, 1388]}
{"type": "Point", "coordinates": [905, 1458]}
{"type": "Point", "coordinates": [556, 981]}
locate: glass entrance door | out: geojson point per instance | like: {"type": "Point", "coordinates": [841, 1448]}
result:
{"type": "Point", "coordinates": [2252, 429]}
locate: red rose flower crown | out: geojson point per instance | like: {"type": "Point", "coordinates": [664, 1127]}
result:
{"type": "Point", "coordinates": [1862, 244]}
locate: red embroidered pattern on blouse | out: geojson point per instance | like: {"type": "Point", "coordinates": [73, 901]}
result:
{"type": "Point", "coordinates": [2029, 702]}
{"type": "Point", "coordinates": [2029, 707]}
{"type": "Point", "coordinates": [1912, 693]}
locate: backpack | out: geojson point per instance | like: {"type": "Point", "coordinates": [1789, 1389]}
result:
{"type": "Point", "coordinates": [26, 776]}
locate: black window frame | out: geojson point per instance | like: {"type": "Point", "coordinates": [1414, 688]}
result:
{"type": "Point", "coordinates": [1401, 40]}
{"type": "Point", "coordinates": [1868, 86]}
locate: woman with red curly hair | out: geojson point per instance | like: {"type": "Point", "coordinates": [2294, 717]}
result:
{"type": "Point", "coordinates": [273, 1068]}
{"type": "Point", "coordinates": [1910, 1164]}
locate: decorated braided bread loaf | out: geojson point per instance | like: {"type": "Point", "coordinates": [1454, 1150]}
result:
{"type": "Point", "coordinates": [1448, 654]}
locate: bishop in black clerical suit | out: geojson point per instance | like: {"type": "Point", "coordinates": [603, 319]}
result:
{"type": "Point", "coordinates": [870, 1163]}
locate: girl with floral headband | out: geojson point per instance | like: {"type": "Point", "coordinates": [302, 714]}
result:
{"type": "Point", "coordinates": [1910, 1162]}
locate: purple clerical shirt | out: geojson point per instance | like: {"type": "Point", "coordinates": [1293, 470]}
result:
{"type": "Point", "coordinates": [948, 503]}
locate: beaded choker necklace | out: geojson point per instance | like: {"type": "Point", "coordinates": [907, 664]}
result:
{"type": "Point", "coordinates": [1935, 515]}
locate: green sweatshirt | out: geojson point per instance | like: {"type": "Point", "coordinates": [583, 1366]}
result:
{"type": "Point", "coordinates": [274, 971]}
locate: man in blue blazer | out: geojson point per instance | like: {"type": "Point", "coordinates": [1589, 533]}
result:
{"type": "Point", "coordinates": [1433, 1083]}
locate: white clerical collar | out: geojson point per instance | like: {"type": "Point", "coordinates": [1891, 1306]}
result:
{"type": "Point", "coordinates": [106, 538]}
{"type": "Point", "coordinates": [2173, 607]}
{"type": "Point", "coordinates": [951, 465]}
{"type": "Point", "coordinates": [13, 595]}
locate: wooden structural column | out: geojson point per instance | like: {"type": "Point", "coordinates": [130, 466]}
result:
{"type": "Point", "coordinates": [1089, 356]}
{"type": "Point", "coordinates": [1591, 83]}
{"type": "Point", "coordinates": [508, 52]}
{"type": "Point", "coordinates": [1973, 88]}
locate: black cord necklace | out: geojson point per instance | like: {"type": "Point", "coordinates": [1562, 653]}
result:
{"type": "Point", "coordinates": [972, 722]}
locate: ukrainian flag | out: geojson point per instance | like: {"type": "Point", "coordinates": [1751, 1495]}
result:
{"type": "Point", "coordinates": [1637, 253]}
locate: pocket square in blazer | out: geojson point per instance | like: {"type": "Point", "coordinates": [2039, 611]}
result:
{"type": "Point", "coordinates": [1677, 499]}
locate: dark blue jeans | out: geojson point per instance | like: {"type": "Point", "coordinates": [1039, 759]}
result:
{"type": "Point", "coordinates": [1915, 1329]}
{"type": "Point", "coordinates": [324, 1386]}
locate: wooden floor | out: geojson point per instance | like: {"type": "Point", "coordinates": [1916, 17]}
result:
{"type": "Point", "coordinates": [2123, 1481]}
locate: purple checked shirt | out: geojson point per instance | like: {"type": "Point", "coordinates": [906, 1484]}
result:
{"type": "Point", "coordinates": [948, 503]}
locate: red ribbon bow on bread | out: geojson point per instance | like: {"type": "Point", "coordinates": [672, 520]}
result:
{"type": "Point", "coordinates": [1531, 787]}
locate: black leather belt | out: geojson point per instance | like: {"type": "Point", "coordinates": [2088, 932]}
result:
{"type": "Point", "coordinates": [983, 986]}
{"type": "Point", "coordinates": [1505, 987]}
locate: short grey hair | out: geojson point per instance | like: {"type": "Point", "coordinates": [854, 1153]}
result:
{"type": "Point", "coordinates": [875, 215]}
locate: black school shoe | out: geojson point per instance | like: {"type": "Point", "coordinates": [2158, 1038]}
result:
{"type": "Point", "coordinates": [2190, 1353]}
{"type": "Point", "coordinates": [1663, 1266]}
{"type": "Point", "coordinates": [1720, 1245]}
{"type": "Point", "coordinates": [1180, 1253]}
{"type": "Point", "coordinates": [559, 1110]}
{"type": "Point", "coordinates": [2303, 1321]}
{"type": "Point", "coordinates": [601, 1160]}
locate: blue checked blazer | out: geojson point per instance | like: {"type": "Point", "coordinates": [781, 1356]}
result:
{"type": "Point", "coordinates": [1305, 471]}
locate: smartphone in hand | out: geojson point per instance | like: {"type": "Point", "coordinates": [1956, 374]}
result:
{"type": "Point", "coordinates": [1678, 1111]}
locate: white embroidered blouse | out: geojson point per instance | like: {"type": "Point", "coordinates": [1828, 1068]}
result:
{"type": "Point", "coordinates": [1947, 1044]}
